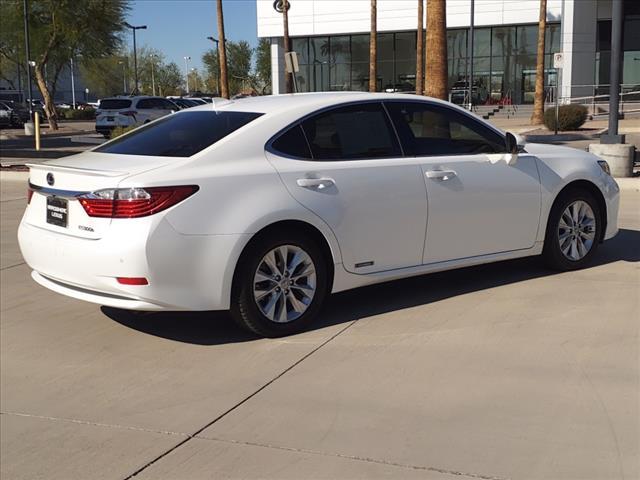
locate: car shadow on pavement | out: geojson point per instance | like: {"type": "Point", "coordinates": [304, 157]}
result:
{"type": "Point", "coordinates": [216, 328]}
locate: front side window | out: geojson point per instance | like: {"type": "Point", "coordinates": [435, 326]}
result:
{"type": "Point", "coordinates": [351, 132]}
{"type": "Point", "coordinates": [180, 135]}
{"type": "Point", "coordinates": [426, 129]}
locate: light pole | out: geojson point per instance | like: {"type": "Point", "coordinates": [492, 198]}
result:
{"type": "Point", "coordinates": [186, 71]}
{"type": "Point", "coordinates": [73, 86]}
{"type": "Point", "coordinates": [28, 52]}
{"type": "Point", "coordinates": [124, 76]}
{"type": "Point", "coordinates": [217, 42]}
{"type": "Point", "coordinates": [153, 78]}
{"type": "Point", "coordinates": [135, 53]}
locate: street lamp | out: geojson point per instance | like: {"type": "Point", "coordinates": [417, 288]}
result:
{"type": "Point", "coordinates": [73, 85]}
{"type": "Point", "coordinates": [186, 71]}
{"type": "Point", "coordinates": [153, 78]}
{"type": "Point", "coordinates": [135, 54]}
{"type": "Point", "coordinates": [124, 76]}
{"type": "Point", "coordinates": [217, 42]}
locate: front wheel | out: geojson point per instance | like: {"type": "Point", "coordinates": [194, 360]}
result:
{"type": "Point", "coordinates": [280, 285]}
{"type": "Point", "coordinates": [573, 231]}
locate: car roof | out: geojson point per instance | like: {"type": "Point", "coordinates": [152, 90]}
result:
{"type": "Point", "coordinates": [307, 101]}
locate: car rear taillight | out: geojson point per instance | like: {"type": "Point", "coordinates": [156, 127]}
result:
{"type": "Point", "coordinates": [132, 280]}
{"type": "Point", "coordinates": [129, 113]}
{"type": "Point", "coordinates": [133, 202]}
{"type": "Point", "coordinates": [29, 194]}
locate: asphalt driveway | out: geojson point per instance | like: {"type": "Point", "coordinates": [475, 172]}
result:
{"type": "Point", "coordinates": [492, 372]}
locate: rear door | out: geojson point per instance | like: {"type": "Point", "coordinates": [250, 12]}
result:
{"type": "Point", "coordinates": [345, 165]}
{"type": "Point", "coordinates": [480, 202]}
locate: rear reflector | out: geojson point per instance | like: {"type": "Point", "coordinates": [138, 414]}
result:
{"type": "Point", "coordinates": [133, 202]}
{"type": "Point", "coordinates": [132, 280]}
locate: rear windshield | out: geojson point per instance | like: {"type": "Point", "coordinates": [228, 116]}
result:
{"type": "Point", "coordinates": [114, 104]}
{"type": "Point", "coordinates": [179, 134]}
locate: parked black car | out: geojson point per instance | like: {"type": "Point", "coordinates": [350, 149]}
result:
{"type": "Point", "coordinates": [18, 113]}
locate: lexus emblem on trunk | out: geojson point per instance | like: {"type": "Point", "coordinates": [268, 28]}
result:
{"type": "Point", "coordinates": [50, 179]}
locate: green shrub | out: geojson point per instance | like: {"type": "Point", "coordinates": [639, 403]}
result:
{"type": "Point", "coordinates": [87, 114]}
{"type": "Point", "coordinates": [570, 117]}
{"type": "Point", "coordinates": [116, 132]}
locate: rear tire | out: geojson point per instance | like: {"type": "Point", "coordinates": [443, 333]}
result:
{"type": "Point", "coordinates": [574, 230]}
{"type": "Point", "coordinates": [274, 296]}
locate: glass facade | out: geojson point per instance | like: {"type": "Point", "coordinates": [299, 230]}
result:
{"type": "Point", "coordinates": [504, 61]}
{"type": "Point", "coordinates": [630, 51]}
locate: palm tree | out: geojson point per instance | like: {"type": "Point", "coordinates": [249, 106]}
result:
{"type": "Point", "coordinates": [537, 117]}
{"type": "Point", "coordinates": [287, 43]}
{"type": "Point", "coordinates": [224, 81]}
{"type": "Point", "coordinates": [373, 48]}
{"type": "Point", "coordinates": [436, 65]}
{"type": "Point", "coordinates": [420, 50]}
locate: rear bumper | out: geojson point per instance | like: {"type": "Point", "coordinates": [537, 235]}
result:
{"type": "Point", "coordinates": [185, 272]}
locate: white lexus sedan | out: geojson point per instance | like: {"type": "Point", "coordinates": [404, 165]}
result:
{"type": "Point", "coordinates": [266, 205]}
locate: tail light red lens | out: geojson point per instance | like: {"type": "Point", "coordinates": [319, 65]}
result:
{"type": "Point", "coordinates": [132, 280]}
{"type": "Point", "coordinates": [29, 194]}
{"type": "Point", "coordinates": [134, 202]}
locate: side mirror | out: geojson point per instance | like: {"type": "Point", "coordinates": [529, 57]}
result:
{"type": "Point", "coordinates": [514, 143]}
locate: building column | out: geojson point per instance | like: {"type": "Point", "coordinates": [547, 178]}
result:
{"type": "Point", "coordinates": [579, 23]}
{"type": "Point", "coordinates": [277, 66]}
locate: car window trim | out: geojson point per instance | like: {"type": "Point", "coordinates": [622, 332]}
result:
{"type": "Point", "coordinates": [455, 110]}
{"type": "Point", "coordinates": [269, 144]}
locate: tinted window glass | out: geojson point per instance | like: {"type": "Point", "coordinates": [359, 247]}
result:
{"type": "Point", "coordinates": [179, 135]}
{"type": "Point", "coordinates": [114, 104]}
{"type": "Point", "coordinates": [146, 103]}
{"type": "Point", "coordinates": [292, 143]}
{"type": "Point", "coordinates": [166, 104]}
{"type": "Point", "coordinates": [355, 131]}
{"type": "Point", "coordinates": [427, 129]}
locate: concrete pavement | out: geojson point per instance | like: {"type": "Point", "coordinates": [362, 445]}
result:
{"type": "Point", "coordinates": [492, 372]}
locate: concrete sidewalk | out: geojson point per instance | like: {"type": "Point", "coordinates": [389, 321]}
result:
{"type": "Point", "coordinates": [503, 371]}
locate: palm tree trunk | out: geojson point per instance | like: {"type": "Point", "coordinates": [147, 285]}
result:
{"type": "Point", "coordinates": [420, 50]}
{"type": "Point", "coordinates": [436, 77]}
{"type": "Point", "coordinates": [224, 81]}
{"type": "Point", "coordinates": [537, 117]}
{"type": "Point", "coordinates": [287, 42]}
{"type": "Point", "coordinates": [373, 48]}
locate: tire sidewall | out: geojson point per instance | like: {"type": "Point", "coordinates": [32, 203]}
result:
{"type": "Point", "coordinates": [244, 306]}
{"type": "Point", "coordinates": [554, 256]}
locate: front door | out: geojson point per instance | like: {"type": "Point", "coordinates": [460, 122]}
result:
{"type": "Point", "coordinates": [480, 200]}
{"type": "Point", "coordinates": [349, 171]}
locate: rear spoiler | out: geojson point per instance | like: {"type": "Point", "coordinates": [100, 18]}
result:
{"type": "Point", "coordinates": [85, 171]}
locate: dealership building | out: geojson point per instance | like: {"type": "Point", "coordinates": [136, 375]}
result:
{"type": "Point", "coordinates": [331, 39]}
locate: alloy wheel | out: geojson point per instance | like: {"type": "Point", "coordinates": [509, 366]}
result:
{"type": "Point", "coordinates": [577, 230]}
{"type": "Point", "coordinates": [284, 283]}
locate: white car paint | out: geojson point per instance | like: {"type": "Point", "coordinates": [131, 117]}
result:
{"type": "Point", "coordinates": [388, 211]}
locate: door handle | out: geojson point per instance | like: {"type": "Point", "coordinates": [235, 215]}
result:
{"type": "Point", "coordinates": [315, 183]}
{"type": "Point", "coordinates": [440, 174]}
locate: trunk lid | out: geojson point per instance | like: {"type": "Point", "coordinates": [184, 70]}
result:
{"type": "Point", "coordinates": [54, 205]}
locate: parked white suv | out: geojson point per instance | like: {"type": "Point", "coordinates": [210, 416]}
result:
{"type": "Point", "coordinates": [127, 111]}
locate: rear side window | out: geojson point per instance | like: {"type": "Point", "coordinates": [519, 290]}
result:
{"type": "Point", "coordinates": [292, 143]}
{"type": "Point", "coordinates": [114, 104]}
{"type": "Point", "coordinates": [147, 103]}
{"type": "Point", "coordinates": [351, 132]}
{"type": "Point", "coordinates": [179, 135]}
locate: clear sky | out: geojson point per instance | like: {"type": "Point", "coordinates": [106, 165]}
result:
{"type": "Point", "coordinates": [180, 28]}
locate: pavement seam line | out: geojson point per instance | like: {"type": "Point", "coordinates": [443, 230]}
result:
{"type": "Point", "coordinates": [357, 458]}
{"type": "Point", "coordinates": [241, 402]}
{"type": "Point", "coordinates": [94, 424]}
{"type": "Point", "coordinates": [11, 266]}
